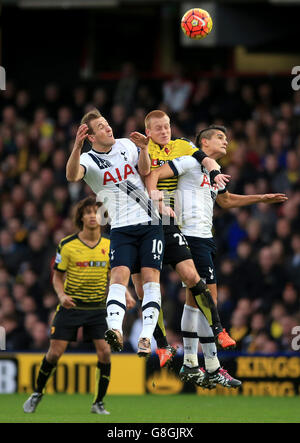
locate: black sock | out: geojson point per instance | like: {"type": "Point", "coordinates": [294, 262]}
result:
{"type": "Point", "coordinates": [160, 332]}
{"type": "Point", "coordinates": [46, 370]}
{"type": "Point", "coordinates": [205, 301]}
{"type": "Point", "coordinates": [160, 338]}
{"type": "Point", "coordinates": [102, 380]}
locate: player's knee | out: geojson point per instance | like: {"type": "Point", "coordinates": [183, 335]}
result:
{"type": "Point", "coordinates": [104, 355]}
{"type": "Point", "coordinates": [190, 278]}
{"type": "Point", "coordinates": [120, 275]}
{"type": "Point", "coordinates": [150, 275]}
{"type": "Point", "coordinates": [53, 355]}
{"type": "Point", "coordinates": [188, 273]}
{"type": "Point", "coordinates": [56, 350]}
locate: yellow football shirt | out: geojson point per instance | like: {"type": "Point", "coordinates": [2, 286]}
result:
{"type": "Point", "coordinates": [162, 154]}
{"type": "Point", "coordinates": [86, 270]}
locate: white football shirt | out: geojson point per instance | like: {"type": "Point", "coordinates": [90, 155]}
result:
{"type": "Point", "coordinates": [194, 197]}
{"type": "Point", "coordinates": [114, 178]}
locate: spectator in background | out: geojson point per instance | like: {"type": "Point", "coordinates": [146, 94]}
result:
{"type": "Point", "coordinates": [269, 279]}
{"type": "Point", "coordinates": [277, 312]}
{"type": "Point", "coordinates": [176, 91]}
{"type": "Point", "coordinates": [239, 328]}
{"type": "Point", "coordinates": [126, 88]}
{"type": "Point", "coordinates": [237, 230]}
{"type": "Point", "coordinates": [40, 337]}
{"type": "Point", "coordinates": [257, 327]}
{"type": "Point", "coordinates": [51, 100]}
{"type": "Point", "coordinates": [118, 119]}
{"type": "Point", "coordinates": [78, 101]}
{"type": "Point", "coordinates": [291, 300]}
{"type": "Point", "coordinates": [16, 337]}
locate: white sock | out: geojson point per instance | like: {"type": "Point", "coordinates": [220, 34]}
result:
{"type": "Point", "coordinates": [189, 326]}
{"type": "Point", "coordinates": [116, 306]}
{"type": "Point", "coordinates": [150, 307]}
{"type": "Point", "coordinates": [207, 343]}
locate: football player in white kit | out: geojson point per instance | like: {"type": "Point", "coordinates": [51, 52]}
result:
{"type": "Point", "coordinates": [111, 168]}
{"type": "Point", "coordinates": [194, 202]}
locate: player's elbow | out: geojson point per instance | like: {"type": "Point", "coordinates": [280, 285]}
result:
{"type": "Point", "coordinates": [54, 279]}
{"type": "Point", "coordinates": [224, 204]}
{"type": "Point", "coordinates": [72, 178]}
{"type": "Point", "coordinates": [144, 171]}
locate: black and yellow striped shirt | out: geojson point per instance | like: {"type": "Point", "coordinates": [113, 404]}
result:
{"type": "Point", "coordinates": [86, 270]}
{"type": "Point", "coordinates": [162, 154]}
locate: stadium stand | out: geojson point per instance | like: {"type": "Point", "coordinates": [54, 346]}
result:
{"type": "Point", "coordinates": [258, 257]}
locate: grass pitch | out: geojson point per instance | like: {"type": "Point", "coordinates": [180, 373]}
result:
{"type": "Point", "coordinates": [189, 408]}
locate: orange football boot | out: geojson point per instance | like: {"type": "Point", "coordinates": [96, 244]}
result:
{"type": "Point", "coordinates": [166, 355]}
{"type": "Point", "coordinates": [225, 341]}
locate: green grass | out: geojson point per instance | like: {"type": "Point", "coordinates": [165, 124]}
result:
{"type": "Point", "coordinates": [189, 408]}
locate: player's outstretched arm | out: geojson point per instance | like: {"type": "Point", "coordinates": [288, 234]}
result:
{"type": "Point", "coordinates": [74, 170]}
{"type": "Point", "coordinates": [151, 181]}
{"type": "Point", "coordinates": [144, 162]}
{"type": "Point", "coordinates": [228, 200]}
{"type": "Point", "coordinates": [157, 174]}
{"type": "Point", "coordinates": [58, 285]}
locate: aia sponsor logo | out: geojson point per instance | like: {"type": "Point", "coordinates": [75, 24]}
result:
{"type": "Point", "coordinates": [117, 175]}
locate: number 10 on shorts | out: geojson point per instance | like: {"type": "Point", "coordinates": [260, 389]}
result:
{"type": "Point", "coordinates": [157, 248]}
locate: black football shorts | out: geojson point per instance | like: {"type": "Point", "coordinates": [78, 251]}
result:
{"type": "Point", "coordinates": [66, 323]}
{"type": "Point", "coordinates": [176, 248]}
{"type": "Point", "coordinates": [143, 244]}
{"type": "Point", "coordinates": [203, 252]}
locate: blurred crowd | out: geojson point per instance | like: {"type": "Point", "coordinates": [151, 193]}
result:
{"type": "Point", "coordinates": [258, 259]}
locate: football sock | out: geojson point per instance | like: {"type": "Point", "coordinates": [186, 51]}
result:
{"type": "Point", "coordinates": [150, 308]}
{"type": "Point", "coordinates": [160, 332]}
{"type": "Point", "coordinates": [206, 304]}
{"type": "Point", "coordinates": [102, 380]}
{"type": "Point", "coordinates": [116, 306]}
{"type": "Point", "coordinates": [46, 370]}
{"type": "Point", "coordinates": [189, 326]}
{"type": "Point", "coordinates": [208, 344]}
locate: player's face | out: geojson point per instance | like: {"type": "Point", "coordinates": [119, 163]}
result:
{"type": "Point", "coordinates": [102, 136]}
{"type": "Point", "coordinates": [89, 218]}
{"type": "Point", "coordinates": [217, 144]}
{"type": "Point", "coordinates": [160, 130]}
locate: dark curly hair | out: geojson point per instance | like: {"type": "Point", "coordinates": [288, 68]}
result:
{"type": "Point", "coordinates": [89, 201]}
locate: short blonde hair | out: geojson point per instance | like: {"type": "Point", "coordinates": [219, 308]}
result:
{"type": "Point", "coordinates": [89, 117]}
{"type": "Point", "coordinates": [157, 113]}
